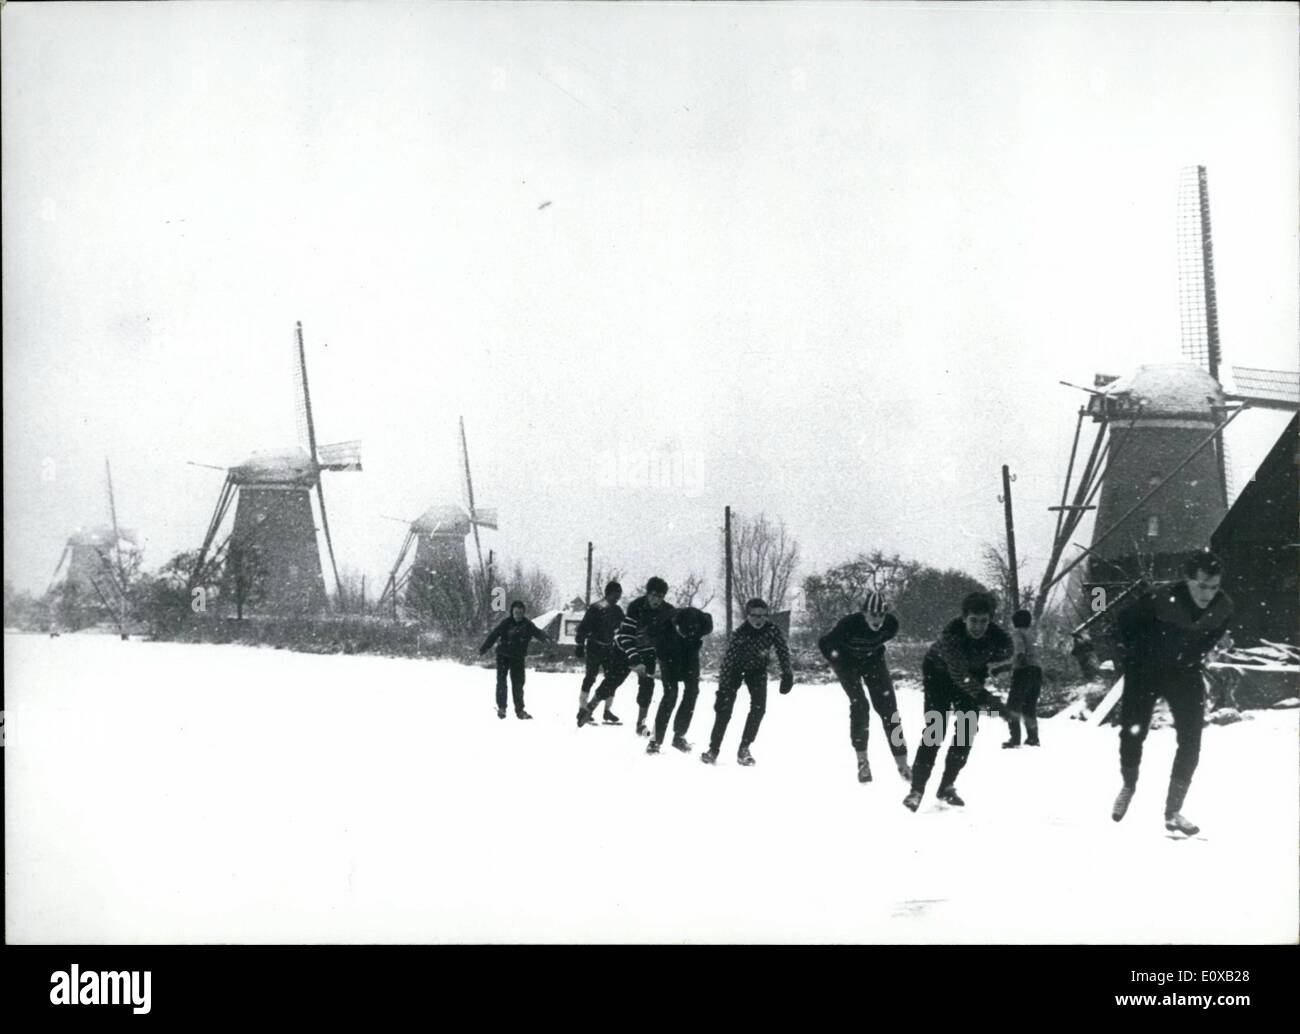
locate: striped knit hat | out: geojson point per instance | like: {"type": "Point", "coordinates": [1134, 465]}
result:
{"type": "Point", "coordinates": [875, 603]}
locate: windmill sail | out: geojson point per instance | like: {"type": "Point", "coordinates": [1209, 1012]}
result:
{"type": "Point", "coordinates": [1198, 306]}
{"type": "Point", "coordinates": [340, 456]}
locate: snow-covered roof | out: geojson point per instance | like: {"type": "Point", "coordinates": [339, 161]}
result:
{"type": "Point", "coordinates": [1169, 388]}
{"type": "Point", "coordinates": [442, 520]}
{"type": "Point", "coordinates": [282, 466]}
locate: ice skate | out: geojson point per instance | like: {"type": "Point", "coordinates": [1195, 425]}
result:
{"type": "Point", "coordinates": [610, 719]}
{"type": "Point", "coordinates": [912, 801]}
{"type": "Point", "coordinates": [904, 769]}
{"type": "Point", "coordinates": [501, 712]}
{"type": "Point", "coordinates": [864, 767]}
{"type": "Point", "coordinates": [709, 757]}
{"type": "Point", "coordinates": [679, 743]}
{"type": "Point", "coordinates": [652, 747]}
{"type": "Point", "coordinates": [948, 794]}
{"type": "Point", "coordinates": [745, 758]}
{"type": "Point", "coordinates": [1175, 823]}
{"type": "Point", "coordinates": [523, 714]}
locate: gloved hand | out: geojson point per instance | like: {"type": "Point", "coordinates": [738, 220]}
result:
{"type": "Point", "coordinates": [580, 651]}
{"type": "Point", "coordinates": [787, 683]}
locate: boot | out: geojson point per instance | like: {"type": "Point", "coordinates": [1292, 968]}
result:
{"type": "Point", "coordinates": [652, 747]}
{"type": "Point", "coordinates": [745, 757]}
{"type": "Point", "coordinates": [1174, 821]}
{"type": "Point", "coordinates": [501, 712]}
{"type": "Point", "coordinates": [611, 718]}
{"type": "Point", "coordinates": [1125, 797]}
{"type": "Point", "coordinates": [521, 713]}
{"type": "Point", "coordinates": [948, 794]}
{"type": "Point", "coordinates": [709, 757]}
{"type": "Point", "coordinates": [904, 769]}
{"type": "Point", "coordinates": [641, 729]}
{"type": "Point", "coordinates": [679, 743]}
{"type": "Point", "coordinates": [912, 801]}
{"type": "Point", "coordinates": [864, 768]}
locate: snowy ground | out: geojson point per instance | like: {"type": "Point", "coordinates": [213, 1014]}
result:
{"type": "Point", "coordinates": [177, 793]}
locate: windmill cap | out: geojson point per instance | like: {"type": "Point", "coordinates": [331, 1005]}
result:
{"type": "Point", "coordinates": [442, 520]}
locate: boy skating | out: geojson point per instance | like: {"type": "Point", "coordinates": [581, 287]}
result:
{"type": "Point", "coordinates": [1026, 681]}
{"type": "Point", "coordinates": [595, 644]}
{"type": "Point", "coordinates": [855, 648]}
{"type": "Point", "coordinates": [634, 651]}
{"type": "Point", "coordinates": [678, 647]}
{"type": "Point", "coordinates": [952, 675]}
{"type": "Point", "coordinates": [745, 661]}
{"type": "Point", "coordinates": [1166, 635]}
{"type": "Point", "coordinates": [512, 637]}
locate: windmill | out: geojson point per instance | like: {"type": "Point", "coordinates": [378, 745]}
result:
{"type": "Point", "coordinates": [1158, 457]}
{"type": "Point", "coordinates": [272, 544]}
{"type": "Point", "coordinates": [100, 562]}
{"type": "Point", "coordinates": [438, 580]}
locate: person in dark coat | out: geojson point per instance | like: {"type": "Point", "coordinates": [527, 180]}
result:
{"type": "Point", "coordinates": [595, 643]}
{"type": "Point", "coordinates": [953, 674]}
{"type": "Point", "coordinates": [855, 648]}
{"type": "Point", "coordinates": [1165, 636]}
{"type": "Point", "coordinates": [678, 649]}
{"type": "Point", "coordinates": [512, 637]}
{"type": "Point", "coordinates": [1026, 681]}
{"type": "Point", "coordinates": [745, 662]}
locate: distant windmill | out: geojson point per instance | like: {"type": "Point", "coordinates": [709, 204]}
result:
{"type": "Point", "coordinates": [441, 555]}
{"type": "Point", "coordinates": [1162, 469]}
{"type": "Point", "coordinates": [273, 517]}
{"type": "Point", "coordinates": [100, 562]}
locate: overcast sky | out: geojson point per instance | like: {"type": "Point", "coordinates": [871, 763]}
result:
{"type": "Point", "coordinates": [823, 261]}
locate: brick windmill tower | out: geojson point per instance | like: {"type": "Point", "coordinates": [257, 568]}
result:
{"type": "Point", "coordinates": [438, 583]}
{"type": "Point", "coordinates": [271, 553]}
{"type": "Point", "coordinates": [1159, 459]}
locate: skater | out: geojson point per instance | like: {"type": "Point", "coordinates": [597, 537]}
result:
{"type": "Point", "coordinates": [678, 647]}
{"type": "Point", "coordinates": [595, 644]}
{"type": "Point", "coordinates": [855, 648]}
{"type": "Point", "coordinates": [952, 675]}
{"type": "Point", "coordinates": [512, 637]}
{"type": "Point", "coordinates": [746, 660]}
{"type": "Point", "coordinates": [1165, 636]}
{"type": "Point", "coordinates": [1026, 681]}
{"type": "Point", "coordinates": [634, 651]}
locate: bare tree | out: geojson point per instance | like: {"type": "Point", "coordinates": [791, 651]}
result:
{"type": "Point", "coordinates": [688, 589]}
{"type": "Point", "coordinates": [997, 570]}
{"type": "Point", "coordinates": [765, 556]}
{"type": "Point", "coordinates": [602, 574]}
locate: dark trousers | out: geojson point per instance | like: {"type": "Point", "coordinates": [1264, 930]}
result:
{"type": "Point", "coordinates": [1185, 693]}
{"type": "Point", "coordinates": [686, 674]}
{"type": "Point", "coordinates": [597, 657]}
{"type": "Point", "coordinates": [944, 703]}
{"type": "Point", "coordinates": [880, 686]}
{"type": "Point", "coordinates": [515, 667]}
{"type": "Point", "coordinates": [756, 682]}
{"type": "Point", "coordinates": [1023, 701]}
{"type": "Point", "coordinates": [617, 670]}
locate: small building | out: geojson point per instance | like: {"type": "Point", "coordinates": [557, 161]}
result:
{"type": "Point", "coordinates": [1257, 541]}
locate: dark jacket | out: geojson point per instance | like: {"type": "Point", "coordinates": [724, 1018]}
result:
{"type": "Point", "coordinates": [641, 626]}
{"type": "Point", "coordinates": [966, 660]}
{"type": "Point", "coordinates": [852, 642]}
{"type": "Point", "coordinates": [512, 638]}
{"type": "Point", "coordinates": [678, 642]}
{"type": "Point", "coordinates": [749, 649]}
{"type": "Point", "coordinates": [1165, 631]}
{"type": "Point", "coordinates": [599, 623]}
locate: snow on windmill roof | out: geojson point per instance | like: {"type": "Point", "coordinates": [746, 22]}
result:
{"type": "Point", "coordinates": [1170, 388]}
{"type": "Point", "coordinates": [285, 466]}
{"type": "Point", "coordinates": [100, 538]}
{"type": "Point", "coordinates": [442, 520]}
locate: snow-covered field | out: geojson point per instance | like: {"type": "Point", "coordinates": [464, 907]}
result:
{"type": "Point", "coordinates": [176, 793]}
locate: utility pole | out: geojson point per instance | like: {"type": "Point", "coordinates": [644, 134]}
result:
{"type": "Point", "coordinates": [727, 564]}
{"type": "Point", "coordinates": [1011, 539]}
{"type": "Point", "coordinates": [588, 574]}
